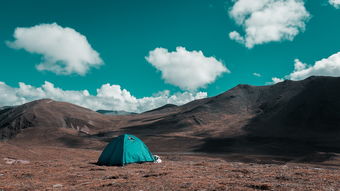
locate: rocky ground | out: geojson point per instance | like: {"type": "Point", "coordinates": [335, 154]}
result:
{"type": "Point", "coordinates": [55, 168]}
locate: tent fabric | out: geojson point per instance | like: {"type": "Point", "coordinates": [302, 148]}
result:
{"type": "Point", "coordinates": [125, 149]}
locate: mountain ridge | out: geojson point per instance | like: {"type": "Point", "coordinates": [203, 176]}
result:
{"type": "Point", "coordinates": [261, 119]}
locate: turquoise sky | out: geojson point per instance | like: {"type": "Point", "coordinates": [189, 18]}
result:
{"type": "Point", "coordinates": [124, 31]}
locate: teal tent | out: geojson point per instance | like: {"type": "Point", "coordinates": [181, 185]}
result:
{"type": "Point", "coordinates": [123, 150]}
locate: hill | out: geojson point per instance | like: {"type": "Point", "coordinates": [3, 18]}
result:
{"type": "Point", "coordinates": [49, 122]}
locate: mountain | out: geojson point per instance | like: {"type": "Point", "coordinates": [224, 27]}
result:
{"type": "Point", "coordinates": [48, 121]}
{"type": "Point", "coordinates": [288, 118]}
{"type": "Point", "coordinates": [110, 112]}
{"type": "Point", "coordinates": [163, 109]}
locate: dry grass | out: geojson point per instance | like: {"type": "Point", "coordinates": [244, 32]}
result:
{"type": "Point", "coordinates": [53, 168]}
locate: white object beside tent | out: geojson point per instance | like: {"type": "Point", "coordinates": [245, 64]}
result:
{"type": "Point", "coordinates": [157, 159]}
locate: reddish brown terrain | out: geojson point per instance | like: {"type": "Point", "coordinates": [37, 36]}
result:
{"type": "Point", "coordinates": [279, 137]}
{"type": "Point", "coordinates": [55, 168]}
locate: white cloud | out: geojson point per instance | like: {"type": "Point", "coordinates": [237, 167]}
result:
{"type": "Point", "coordinates": [325, 67]}
{"type": "Point", "coordinates": [108, 97]}
{"type": "Point", "coordinates": [335, 3]}
{"type": "Point", "coordinates": [64, 50]}
{"type": "Point", "coordinates": [257, 74]}
{"type": "Point", "coordinates": [276, 80]}
{"type": "Point", "coordinates": [268, 20]}
{"type": "Point", "coordinates": [188, 70]}
{"type": "Point", "coordinates": [237, 37]}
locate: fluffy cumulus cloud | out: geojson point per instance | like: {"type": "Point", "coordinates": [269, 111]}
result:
{"type": "Point", "coordinates": [188, 70]}
{"type": "Point", "coordinates": [266, 21]}
{"type": "Point", "coordinates": [335, 3]}
{"type": "Point", "coordinates": [326, 67]}
{"type": "Point", "coordinates": [257, 74]}
{"type": "Point", "coordinates": [64, 50]}
{"type": "Point", "coordinates": [108, 97]}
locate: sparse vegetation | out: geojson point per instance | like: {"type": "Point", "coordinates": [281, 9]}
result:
{"type": "Point", "coordinates": [74, 169]}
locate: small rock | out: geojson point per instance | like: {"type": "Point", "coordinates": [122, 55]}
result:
{"type": "Point", "coordinates": [9, 161]}
{"type": "Point", "coordinates": [14, 161]}
{"type": "Point", "coordinates": [57, 185]}
{"type": "Point", "coordinates": [23, 161]}
{"type": "Point", "coordinates": [109, 184]}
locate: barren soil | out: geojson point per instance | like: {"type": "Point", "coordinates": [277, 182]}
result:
{"type": "Point", "coordinates": [56, 168]}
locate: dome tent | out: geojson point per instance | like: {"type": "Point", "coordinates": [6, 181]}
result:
{"type": "Point", "coordinates": [125, 149]}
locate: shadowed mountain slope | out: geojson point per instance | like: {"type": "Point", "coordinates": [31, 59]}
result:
{"type": "Point", "coordinates": [288, 117]}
